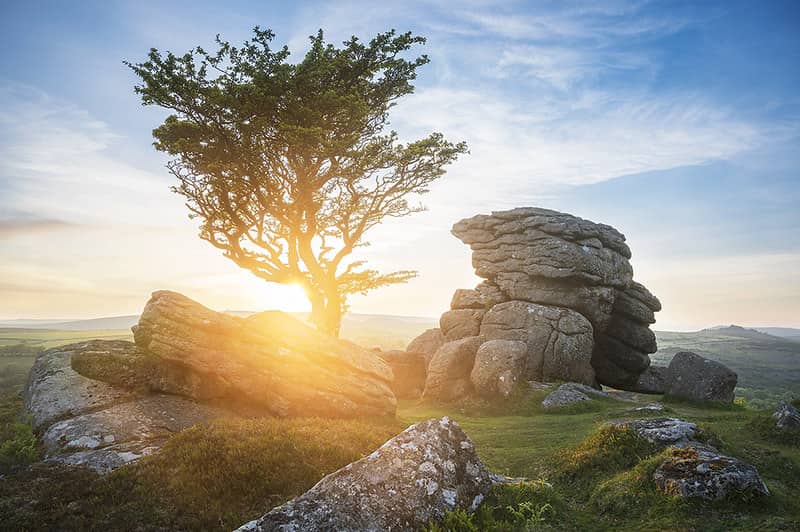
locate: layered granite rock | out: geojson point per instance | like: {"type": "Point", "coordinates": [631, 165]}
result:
{"type": "Point", "coordinates": [412, 479]}
{"type": "Point", "coordinates": [267, 361]}
{"type": "Point", "coordinates": [83, 421]}
{"type": "Point", "coordinates": [103, 404]}
{"type": "Point", "coordinates": [564, 286]}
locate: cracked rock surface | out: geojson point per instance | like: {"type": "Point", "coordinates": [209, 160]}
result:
{"type": "Point", "coordinates": [564, 286]}
{"type": "Point", "coordinates": [413, 478]}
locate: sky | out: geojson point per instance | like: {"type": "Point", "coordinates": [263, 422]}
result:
{"type": "Point", "coordinates": [676, 122]}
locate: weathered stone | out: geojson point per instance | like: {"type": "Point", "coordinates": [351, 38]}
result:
{"type": "Point", "coordinates": [631, 360]}
{"type": "Point", "coordinates": [570, 393]}
{"type": "Point", "coordinates": [449, 371]}
{"type": "Point", "coordinates": [54, 391]}
{"type": "Point", "coordinates": [457, 324]}
{"type": "Point", "coordinates": [146, 418]}
{"type": "Point", "coordinates": [649, 407]}
{"type": "Point", "coordinates": [411, 480]}
{"type": "Point", "coordinates": [652, 380]}
{"type": "Point", "coordinates": [409, 372]}
{"type": "Point", "coordinates": [499, 366]}
{"type": "Point", "coordinates": [697, 471]}
{"type": "Point", "coordinates": [631, 333]}
{"type": "Point", "coordinates": [559, 340]}
{"type": "Point", "coordinates": [663, 431]}
{"type": "Point", "coordinates": [691, 376]}
{"type": "Point", "coordinates": [483, 296]}
{"type": "Point", "coordinates": [427, 343]}
{"type": "Point", "coordinates": [268, 362]}
{"type": "Point", "coordinates": [786, 417]}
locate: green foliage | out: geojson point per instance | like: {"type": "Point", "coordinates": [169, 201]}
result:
{"type": "Point", "coordinates": [288, 165]}
{"type": "Point", "coordinates": [18, 445]}
{"type": "Point", "coordinates": [514, 507]}
{"type": "Point", "coordinates": [763, 425]}
{"type": "Point", "coordinates": [611, 448]}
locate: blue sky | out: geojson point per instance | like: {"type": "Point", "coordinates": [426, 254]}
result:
{"type": "Point", "coordinates": [677, 122]}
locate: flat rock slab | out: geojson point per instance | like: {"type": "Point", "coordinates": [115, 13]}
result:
{"type": "Point", "coordinates": [701, 472]}
{"type": "Point", "coordinates": [149, 418]}
{"type": "Point", "coordinates": [54, 391]}
{"type": "Point", "coordinates": [665, 431]}
{"type": "Point", "coordinates": [570, 393]}
{"type": "Point", "coordinates": [413, 478]}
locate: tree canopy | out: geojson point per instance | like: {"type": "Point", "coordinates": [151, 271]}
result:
{"type": "Point", "coordinates": [288, 165]}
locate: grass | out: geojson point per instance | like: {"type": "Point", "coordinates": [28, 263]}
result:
{"type": "Point", "coordinates": [211, 477]}
{"type": "Point", "coordinates": [218, 476]}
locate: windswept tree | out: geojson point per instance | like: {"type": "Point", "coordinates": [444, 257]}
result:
{"type": "Point", "coordinates": [287, 165]}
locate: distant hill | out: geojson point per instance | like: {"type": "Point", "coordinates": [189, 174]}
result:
{"type": "Point", "coordinates": [740, 332]}
{"type": "Point", "coordinates": [109, 323]}
{"type": "Point", "coordinates": [784, 332]}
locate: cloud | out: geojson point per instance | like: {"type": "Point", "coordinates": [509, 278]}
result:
{"type": "Point", "coordinates": [21, 226]}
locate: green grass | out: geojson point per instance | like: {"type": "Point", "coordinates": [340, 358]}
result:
{"type": "Point", "coordinates": [47, 338]}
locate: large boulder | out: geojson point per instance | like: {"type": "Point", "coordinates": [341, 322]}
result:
{"type": "Point", "coordinates": [693, 377]}
{"type": "Point", "coordinates": [409, 372]}
{"type": "Point", "coordinates": [499, 366]}
{"type": "Point", "coordinates": [414, 478]}
{"type": "Point", "coordinates": [268, 362]}
{"type": "Point", "coordinates": [559, 340]}
{"type": "Point", "coordinates": [427, 343]}
{"type": "Point", "coordinates": [457, 324]}
{"type": "Point", "coordinates": [449, 372]}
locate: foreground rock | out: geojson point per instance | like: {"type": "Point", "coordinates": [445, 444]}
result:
{"type": "Point", "coordinates": [86, 422]}
{"type": "Point", "coordinates": [565, 287]}
{"type": "Point", "coordinates": [701, 472]}
{"type": "Point", "coordinates": [786, 417]}
{"type": "Point", "coordinates": [268, 362]}
{"type": "Point", "coordinates": [414, 478]}
{"type": "Point", "coordinates": [570, 393]}
{"type": "Point", "coordinates": [693, 377]}
{"type": "Point", "coordinates": [692, 469]}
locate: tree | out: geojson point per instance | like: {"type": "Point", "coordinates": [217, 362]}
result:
{"type": "Point", "coordinates": [288, 165]}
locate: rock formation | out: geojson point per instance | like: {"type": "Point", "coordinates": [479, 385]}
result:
{"type": "Point", "coordinates": [562, 285]}
{"type": "Point", "coordinates": [692, 469]}
{"type": "Point", "coordinates": [570, 393]}
{"type": "Point", "coordinates": [107, 403]}
{"type": "Point", "coordinates": [412, 479]}
{"type": "Point", "coordinates": [87, 422]}
{"type": "Point", "coordinates": [268, 361]}
{"type": "Point", "coordinates": [693, 377]}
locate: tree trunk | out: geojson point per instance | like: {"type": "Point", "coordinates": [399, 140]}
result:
{"type": "Point", "coordinates": [326, 313]}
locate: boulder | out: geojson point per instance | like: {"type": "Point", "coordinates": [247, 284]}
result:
{"type": "Point", "coordinates": [483, 296]}
{"type": "Point", "coordinates": [427, 343]}
{"type": "Point", "coordinates": [698, 471]}
{"type": "Point", "coordinates": [693, 377]}
{"type": "Point", "coordinates": [457, 324]}
{"type": "Point", "coordinates": [414, 478]}
{"type": "Point", "coordinates": [786, 417]}
{"type": "Point", "coordinates": [449, 372]}
{"type": "Point", "coordinates": [570, 393]}
{"type": "Point", "coordinates": [409, 372]}
{"type": "Point", "coordinates": [499, 366]}
{"type": "Point", "coordinates": [559, 340]}
{"type": "Point", "coordinates": [268, 363]}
